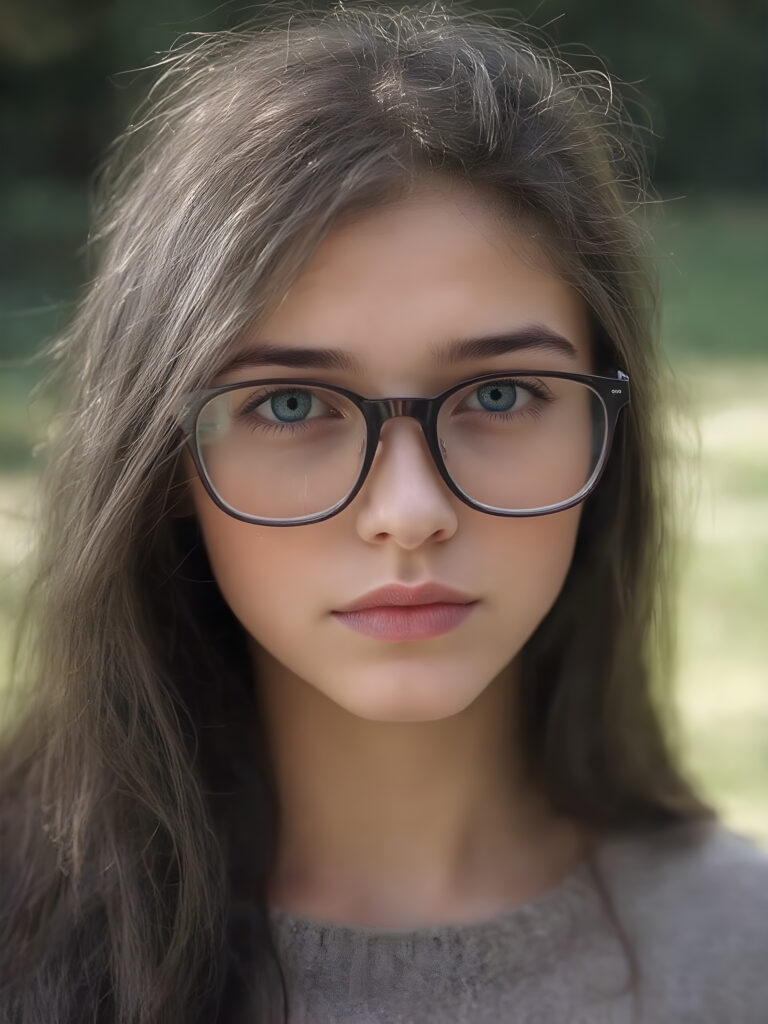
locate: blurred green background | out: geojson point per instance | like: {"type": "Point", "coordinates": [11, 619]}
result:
{"type": "Point", "coordinates": [696, 77]}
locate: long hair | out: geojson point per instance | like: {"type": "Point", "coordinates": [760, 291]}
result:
{"type": "Point", "coordinates": [138, 808]}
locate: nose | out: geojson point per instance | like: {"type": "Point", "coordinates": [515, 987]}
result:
{"type": "Point", "coordinates": [404, 497]}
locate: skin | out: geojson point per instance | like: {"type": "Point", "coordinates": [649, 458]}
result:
{"type": "Point", "coordinates": [403, 799]}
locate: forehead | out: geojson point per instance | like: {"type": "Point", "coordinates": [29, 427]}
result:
{"type": "Point", "coordinates": [391, 285]}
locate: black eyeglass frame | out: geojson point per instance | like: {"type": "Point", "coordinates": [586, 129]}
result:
{"type": "Point", "coordinates": [613, 392]}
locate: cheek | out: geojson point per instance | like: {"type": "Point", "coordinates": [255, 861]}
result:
{"type": "Point", "coordinates": [534, 555]}
{"type": "Point", "coordinates": [262, 572]}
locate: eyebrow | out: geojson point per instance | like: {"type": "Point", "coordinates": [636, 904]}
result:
{"type": "Point", "coordinates": [534, 336]}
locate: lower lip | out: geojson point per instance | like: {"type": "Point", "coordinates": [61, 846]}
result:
{"type": "Point", "coordinates": [417, 622]}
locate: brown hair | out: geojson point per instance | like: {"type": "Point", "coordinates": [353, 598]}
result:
{"type": "Point", "coordinates": [137, 806]}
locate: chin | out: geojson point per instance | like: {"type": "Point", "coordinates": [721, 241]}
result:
{"type": "Point", "coordinates": [408, 699]}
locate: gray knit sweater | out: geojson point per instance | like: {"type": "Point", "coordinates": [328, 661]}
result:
{"type": "Point", "coordinates": [693, 903]}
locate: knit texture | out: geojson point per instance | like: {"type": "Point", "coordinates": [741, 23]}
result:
{"type": "Point", "coordinates": [693, 902]}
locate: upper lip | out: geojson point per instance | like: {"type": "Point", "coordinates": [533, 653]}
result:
{"type": "Point", "coordinates": [399, 594]}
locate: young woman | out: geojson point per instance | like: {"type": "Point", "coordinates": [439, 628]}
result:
{"type": "Point", "coordinates": [345, 655]}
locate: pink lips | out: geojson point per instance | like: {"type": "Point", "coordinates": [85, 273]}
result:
{"type": "Point", "coordinates": [399, 612]}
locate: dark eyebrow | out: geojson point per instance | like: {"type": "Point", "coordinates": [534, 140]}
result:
{"type": "Point", "coordinates": [535, 336]}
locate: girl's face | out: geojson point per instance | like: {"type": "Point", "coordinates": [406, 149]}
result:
{"type": "Point", "coordinates": [386, 287]}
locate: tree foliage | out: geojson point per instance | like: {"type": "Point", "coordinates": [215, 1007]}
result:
{"type": "Point", "coordinates": [693, 72]}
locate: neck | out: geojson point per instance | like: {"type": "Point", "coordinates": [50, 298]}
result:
{"type": "Point", "coordinates": [395, 823]}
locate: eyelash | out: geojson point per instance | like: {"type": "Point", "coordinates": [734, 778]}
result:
{"type": "Point", "coordinates": [289, 429]}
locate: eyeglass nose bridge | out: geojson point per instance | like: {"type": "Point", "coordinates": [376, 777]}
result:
{"type": "Point", "coordinates": [387, 408]}
{"type": "Point", "coordinates": [379, 410]}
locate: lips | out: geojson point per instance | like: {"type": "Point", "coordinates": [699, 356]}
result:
{"type": "Point", "coordinates": [400, 595]}
{"type": "Point", "coordinates": [418, 622]}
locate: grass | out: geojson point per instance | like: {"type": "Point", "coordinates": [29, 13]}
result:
{"type": "Point", "coordinates": [714, 331]}
{"type": "Point", "coordinates": [712, 256]}
{"type": "Point", "coordinates": [722, 687]}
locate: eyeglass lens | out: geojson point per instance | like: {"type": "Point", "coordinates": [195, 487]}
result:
{"type": "Point", "coordinates": [512, 444]}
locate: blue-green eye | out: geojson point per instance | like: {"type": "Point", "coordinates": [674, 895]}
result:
{"type": "Point", "coordinates": [498, 396]}
{"type": "Point", "coordinates": [290, 406]}
{"type": "Point", "coordinates": [507, 398]}
{"type": "Point", "coordinates": [286, 406]}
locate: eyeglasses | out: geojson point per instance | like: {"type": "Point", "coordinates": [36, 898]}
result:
{"type": "Point", "coordinates": [285, 452]}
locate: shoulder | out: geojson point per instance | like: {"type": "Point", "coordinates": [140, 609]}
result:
{"type": "Point", "coordinates": [694, 903]}
{"type": "Point", "coordinates": [677, 864]}
{"type": "Point", "coordinates": [691, 852]}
